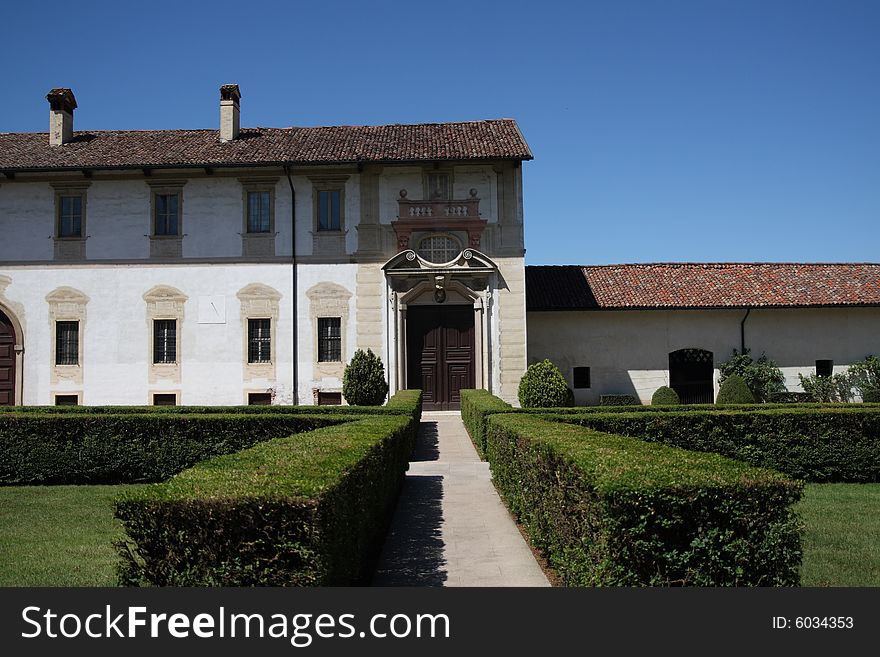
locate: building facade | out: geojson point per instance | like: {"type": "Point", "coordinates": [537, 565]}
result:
{"type": "Point", "coordinates": [239, 265]}
{"type": "Point", "coordinates": [629, 329]}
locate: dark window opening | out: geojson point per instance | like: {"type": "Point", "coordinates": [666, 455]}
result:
{"type": "Point", "coordinates": [824, 367]}
{"type": "Point", "coordinates": [259, 398]}
{"type": "Point", "coordinates": [581, 377]}
{"type": "Point", "coordinates": [691, 375]}
{"type": "Point", "coordinates": [329, 339]}
{"type": "Point", "coordinates": [165, 399]}
{"type": "Point", "coordinates": [165, 341]}
{"type": "Point", "coordinates": [66, 400]}
{"type": "Point", "coordinates": [67, 343]}
{"type": "Point", "coordinates": [329, 398]}
{"type": "Point", "coordinates": [329, 210]}
{"type": "Point", "coordinates": [259, 341]}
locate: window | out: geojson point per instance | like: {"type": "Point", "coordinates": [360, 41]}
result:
{"type": "Point", "coordinates": [66, 400]}
{"type": "Point", "coordinates": [70, 211]}
{"type": "Point", "coordinates": [67, 343]}
{"type": "Point", "coordinates": [581, 377]}
{"type": "Point", "coordinates": [330, 209]}
{"type": "Point", "coordinates": [167, 218]}
{"type": "Point", "coordinates": [329, 398]}
{"type": "Point", "coordinates": [165, 341]}
{"type": "Point", "coordinates": [259, 398]}
{"type": "Point", "coordinates": [824, 367]}
{"type": "Point", "coordinates": [165, 399]}
{"type": "Point", "coordinates": [329, 339]}
{"type": "Point", "coordinates": [437, 186]}
{"type": "Point", "coordinates": [439, 248]}
{"type": "Point", "coordinates": [258, 212]}
{"type": "Point", "coordinates": [259, 341]}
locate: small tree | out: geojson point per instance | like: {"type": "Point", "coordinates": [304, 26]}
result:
{"type": "Point", "coordinates": [762, 376]}
{"type": "Point", "coordinates": [824, 389]}
{"type": "Point", "coordinates": [735, 391]}
{"type": "Point", "coordinates": [664, 395]}
{"type": "Point", "coordinates": [543, 386]}
{"type": "Point", "coordinates": [363, 382]}
{"type": "Point", "coordinates": [864, 376]}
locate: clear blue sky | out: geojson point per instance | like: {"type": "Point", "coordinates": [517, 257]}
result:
{"type": "Point", "coordinates": [679, 130]}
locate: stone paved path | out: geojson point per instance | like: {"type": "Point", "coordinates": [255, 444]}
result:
{"type": "Point", "coordinates": [450, 527]}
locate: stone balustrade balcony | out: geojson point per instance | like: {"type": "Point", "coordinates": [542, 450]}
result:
{"type": "Point", "coordinates": [436, 215]}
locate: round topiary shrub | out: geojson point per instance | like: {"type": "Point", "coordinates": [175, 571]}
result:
{"type": "Point", "coordinates": [363, 383]}
{"type": "Point", "coordinates": [543, 386]}
{"type": "Point", "coordinates": [665, 396]}
{"type": "Point", "coordinates": [735, 391]}
{"type": "Point", "coordinates": [871, 396]}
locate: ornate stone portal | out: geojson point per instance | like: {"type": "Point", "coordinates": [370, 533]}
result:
{"type": "Point", "coordinates": [465, 281]}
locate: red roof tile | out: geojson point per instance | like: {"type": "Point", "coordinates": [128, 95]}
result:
{"type": "Point", "coordinates": [475, 140]}
{"type": "Point", "coordinates": [702, 285]}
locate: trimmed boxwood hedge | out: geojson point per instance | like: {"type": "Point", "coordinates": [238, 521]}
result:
{"type": "Point", "coordinates": [610, 510]}
{"type": "Point", "coordinates": [619, 400]}
{"type": "Point", "coordinates": [305, 510]}
{"type": "Point", "coordinates": [818, 444]}
{"type": "Point", "coordinates": [54, 448]}
{"type": "Point", "coordinates": [476, 407]}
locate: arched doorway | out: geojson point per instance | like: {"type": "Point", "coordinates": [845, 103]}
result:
{"type": "Point", "coordinates": [690, 375]}
{"type": "Point", "coordinates": [7, 361]}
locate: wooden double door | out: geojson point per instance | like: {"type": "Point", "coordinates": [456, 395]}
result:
{"type": "Point", "coordinates": [441, 358]}
{"type": "Point", "coordinates": [7, 361]}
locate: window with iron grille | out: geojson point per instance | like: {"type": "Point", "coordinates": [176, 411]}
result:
{"type": "Point", "coordinates": [258, 218]}
{"type": "Point", "coordinates": [259, 398]}
{"type": "Point", "coordinates": [66, 400]}
{"type": "Point", "coordinates": [165, 399]}
{"type": "Point", "coordinates": [70, 216]}
{"type": "Point", "coordinates": [165, 341]}
{"type": "Point", "coordinates": [259, 341]}
{"type": "Point", "coordinates": [439, 248]}
{"type": "Point", "coordinates": [329, 209]}
{"type": "Point", "coordinates": [67, 343]}
{"type": "Point", "coordinates": [167, 214]}
{"type": "Point", "coordinates": [329, 339]}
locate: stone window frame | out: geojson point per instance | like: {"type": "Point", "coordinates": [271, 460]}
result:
{"type": "Point", "coordinates": [74, 247]}
{"type": "Point", "coordinates": [164, 302]}
{"type": "Point", "coordinates": [259, 301]}
{"type": "Point", "coordinates": [258, 244]}
{"type": "Point", "coordinates": [151, 397]}
{"type": "Point", "coordinates": [166, 246]}
{"type": "Point", "coordinates": [329, 242]}
{"type": "Point", "coordinates": [66, 304]}
{"type": "Point", "coordinates": [329, 299]}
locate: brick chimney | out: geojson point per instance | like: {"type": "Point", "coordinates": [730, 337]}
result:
{"type": "Point", "coordinates": [229, 111]}
{"type": "Point", "coordinates": [61, 106]}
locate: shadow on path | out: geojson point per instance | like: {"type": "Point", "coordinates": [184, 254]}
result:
{"type": "Point", "coordinates": [413, 552]}
{"type": "Point", "coordinates": [428, 443]}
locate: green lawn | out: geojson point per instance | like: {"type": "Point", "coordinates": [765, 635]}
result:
{"type": "Point", "coordinates": [842, 539]}
{"type": "Point", "coordinates": [62, 535]}
{"type": "Point", "coordinates": [58, 535]}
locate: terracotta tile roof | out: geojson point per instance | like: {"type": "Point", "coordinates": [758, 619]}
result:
{"type": "Point", "coordinates": [702, 285]}
{"type": "Point", "coordinates": [474, 140]}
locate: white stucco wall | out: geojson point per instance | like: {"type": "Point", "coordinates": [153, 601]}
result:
{"type": "Point", "coordinates": [116, 333]}
{"type": "Point", "coordinates": [628, 351]}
